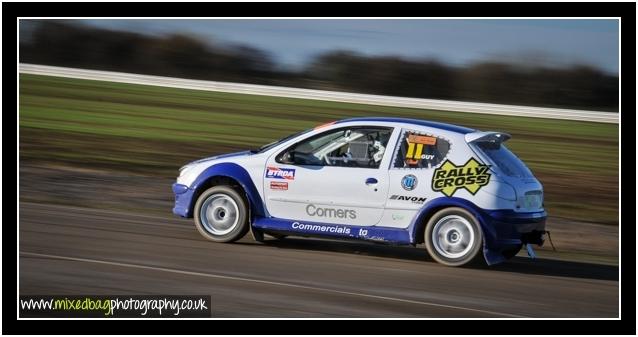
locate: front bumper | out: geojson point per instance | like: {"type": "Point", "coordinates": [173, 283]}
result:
{"type": "Point", "coordinates": [183, 200]}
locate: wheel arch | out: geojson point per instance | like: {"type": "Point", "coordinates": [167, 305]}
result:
{"type": "Point", "coordinates": [229, 174]}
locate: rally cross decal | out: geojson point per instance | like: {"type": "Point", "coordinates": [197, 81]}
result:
{"type": "Point", "coordinates": [448, 177]}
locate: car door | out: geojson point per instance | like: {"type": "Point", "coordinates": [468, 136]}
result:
{"type": "Point", "coordinates": [416, 156]}
{"type": "Point", "coordinates": [339, 176]}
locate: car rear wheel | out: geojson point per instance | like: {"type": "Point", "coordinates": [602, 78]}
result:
{"type": "Point", "coordinates": [221, 214]}
{"type": "Point", "coordinates": [453, 237]}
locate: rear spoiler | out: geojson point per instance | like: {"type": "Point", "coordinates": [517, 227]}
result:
{"type": "Point", "coordinates": [487, 136]}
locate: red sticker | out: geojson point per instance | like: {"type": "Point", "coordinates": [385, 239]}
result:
{"type": "Point", "coordinates": [426, 140]}
{"type": "Point", "coordinates": [278, 185]}
{"type": "Point", "coordinates": [324, 125]}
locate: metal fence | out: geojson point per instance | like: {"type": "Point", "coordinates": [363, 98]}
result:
{"type": "Point", "coordinates": [253, 89]}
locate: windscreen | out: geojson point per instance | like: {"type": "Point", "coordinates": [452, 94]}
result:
{"type": "Point", "coordinates": [277, 142]}
{"type": "Point", "coordinates": [504, 159]}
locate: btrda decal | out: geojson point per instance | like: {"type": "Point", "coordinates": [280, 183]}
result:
{"type": "Point", "coordinates": [472, 176]}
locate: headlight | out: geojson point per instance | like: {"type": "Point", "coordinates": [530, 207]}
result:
{"type": "Point", "coordinates": [183, 169]}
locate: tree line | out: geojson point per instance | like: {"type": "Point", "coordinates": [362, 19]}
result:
{"type": "Point", "coordinates": [179, 55]}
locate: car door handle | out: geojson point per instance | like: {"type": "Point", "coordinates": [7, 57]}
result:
{"type": "Point", "coordinates": [371, 181]}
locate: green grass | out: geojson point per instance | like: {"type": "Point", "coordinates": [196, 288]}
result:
{"type": "Point", "coordinates": [155, 130]}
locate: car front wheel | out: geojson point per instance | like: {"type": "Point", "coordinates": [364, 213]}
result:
{"type": "Point", "coordinates": [221, 214]}
{"type": "Point", "coordinates": [453, 237]}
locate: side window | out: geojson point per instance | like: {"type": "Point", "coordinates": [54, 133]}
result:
{"type": "Point", "coordinates": [420, 150]}
{"type": "Point", "coordinates": [344, 147]}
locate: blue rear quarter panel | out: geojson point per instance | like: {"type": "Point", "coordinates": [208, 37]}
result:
{"type": "Point", "coordinates": [502, 229]}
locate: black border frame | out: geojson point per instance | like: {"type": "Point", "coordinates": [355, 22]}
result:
{"type": "Point", "coordinates": [627, 12]}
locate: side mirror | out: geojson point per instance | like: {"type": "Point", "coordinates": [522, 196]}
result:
{"type": "Point", "coordinates": [289, 157]}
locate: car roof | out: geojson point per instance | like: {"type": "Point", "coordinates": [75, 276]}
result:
{"type": "Point", "coordinates": [443, 126]}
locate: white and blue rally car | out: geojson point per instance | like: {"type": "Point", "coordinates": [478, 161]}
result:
{"type": "Point", "coordinates": [401, 181]}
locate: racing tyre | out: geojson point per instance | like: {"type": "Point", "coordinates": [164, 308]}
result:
{"type": "Point", "coordinates": [221, 214]}
{"type": "Point", "coordinates": [453, 237]}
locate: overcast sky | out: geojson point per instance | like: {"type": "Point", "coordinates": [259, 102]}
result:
{"type": "Point", "coordinates": [458, 42]}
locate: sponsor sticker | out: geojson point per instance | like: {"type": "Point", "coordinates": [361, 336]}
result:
{"type": "Point", "coordinates": [425, 140]}
{"type": "Point", "coordinates": [415, 148]}
{"type": "Point", "coordinates": [327, 212]}
{"type": "Point", "coordinates": [280, 173]}
{"type": "Point", "coordinates": [320, 228]}
{"type": "Point", "coordinates": [409, 182]}
{"type": "Point", "coordinates": [279, 185]}
{"type": "Point", "coordinates": [472, 175]}
{"type": "Point", "coordinates": [336, 229]}
{"type": "Point", "coordinates": [415, 200]}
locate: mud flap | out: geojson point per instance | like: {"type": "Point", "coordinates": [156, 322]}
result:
{"type": "Point", "coordinates": [256, 234]}
{"type": "Point", "coordinates": [492, 257]}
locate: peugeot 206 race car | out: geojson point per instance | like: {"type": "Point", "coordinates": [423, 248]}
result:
{"type": "Point", "coordinates": [400, 181]}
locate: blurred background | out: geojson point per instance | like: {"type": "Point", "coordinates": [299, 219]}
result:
{"type": "Point", "coordinates": [559, 63]}
{"type": "Point", "coordinates": [118, 146]}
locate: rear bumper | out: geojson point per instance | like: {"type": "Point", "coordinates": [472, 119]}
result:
{"type": "Point", "coordinates": [509, 230]}
{"type": "Point", "coordinates": [183, 200]}
{"type": "Point", "coordinates": [512, 228]}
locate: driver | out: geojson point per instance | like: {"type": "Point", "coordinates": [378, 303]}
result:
{"type": "Point", "coordinates": [378, 151]}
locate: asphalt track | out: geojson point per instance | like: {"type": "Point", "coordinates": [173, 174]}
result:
{"type": "Point", "coordinates": [67, 250]}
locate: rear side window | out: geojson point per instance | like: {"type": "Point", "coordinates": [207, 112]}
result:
{"type": "Point", "coordinates": [504, 159]}
{"type": "Point", "coordinates": [420, 150]}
